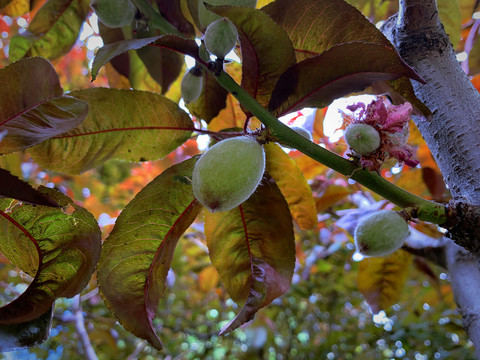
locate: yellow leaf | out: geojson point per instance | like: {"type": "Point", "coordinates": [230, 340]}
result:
{"type": "Point", "coordinates": [292, 185]}
{"type": "Point", "coordinates": [208, 279]}
{"type": "Point", "coordinates": [331, 195]}
{"type": "Point", "coordinates": [381, 279]}
{"type": "Point", "coordinates": [16, 8]}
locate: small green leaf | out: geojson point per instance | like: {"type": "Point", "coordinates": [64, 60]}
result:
{"type": "Point", "coordinates": [318, 80]}
{"type": "Point", "coordinates": [266, 49]}
{"type": "Point", "coordinates": [316, 26]}
{"type": "Point", "coordinates": [32, 107]}
{"type": "Point", "coordinates": [52, 32]}
{"type": "Point", "coordinates": [67, 250]}
{"type": "Point", "coordinates": [26, 334]}
{"type": "Point", "coordinates": [381, 279]}
{"type": "Point", "coordinates": [253, 249]}
{"type": "Point", "coordinates": [122, 124]}
{"type": "Point", "coordinates": [136, 257]}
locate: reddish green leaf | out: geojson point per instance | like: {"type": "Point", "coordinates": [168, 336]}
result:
{"type": "Point", "coordinates": [122, 124]}
{"type": "Point", "coordinates": [163, 65]}
{"type": "Point", "coordinates": [26, 334]}
{"type": "Point", "coordinates": [381, 279]}
{"type": "Point", "coordinates": [316, 26]}
{"type": "Point", "coordinates": [266, 49]}
{"type": "Point", "coordinates": [32, 108]}
{"type": "Point", "coordinates": [53, 31]}
{"type": "Point", "coordinates": [13, 187]}
{"type": "Point", "coordinates": [121, 62]}
{"type": "Point", "coordinates": [317, 81]}
{"type": "Point", "coordinates": [292, 184]}
{"type": "Point", "coordinates": [171, 42]}
{"type": "Point", "coordinates": [172, 12]}
{"type": "Point", "coordinates": [253, 249]}
{"type": "Point", "coordinates": [67, 250]}
{"type": "Point", "coordinates": [136, 257]}
{"type": "Point", "coordinates": [212, 100]}
{"type": "Point", "coordinates": [110, 51]}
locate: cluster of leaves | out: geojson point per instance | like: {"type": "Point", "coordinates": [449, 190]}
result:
{"type": "Point", "coordinates": [287, 64]}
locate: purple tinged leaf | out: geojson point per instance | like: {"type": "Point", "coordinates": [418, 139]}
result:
{"type": "Point", "coordinates": [318, 80]}
{"type": "Point", "coordinates": [32, 108]}
{"type": "Point", "coordinates": [13, 187]}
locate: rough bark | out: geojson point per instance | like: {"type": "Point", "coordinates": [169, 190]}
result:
{"type": "Point", "coordinates": [452, 134]}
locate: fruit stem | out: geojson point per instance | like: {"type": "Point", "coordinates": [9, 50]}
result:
{"type": "Point", "coordinates": [425, 209]}
{"type": "Point", "coordinates": [156, 20]}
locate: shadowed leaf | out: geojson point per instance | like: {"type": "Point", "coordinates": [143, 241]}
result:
{"type": "Point", "coordinates": [122, 124]}
{"type": "Point", "coordinates": [136, 257]}
{"type": "Point", "coordinates": [26, 334]}
{"type": "Point", "coordinates": [381, 279]}
{"type": "Point", "coordinates": [266, 49]}
{"type": "Point", "coordinates": [163, 65]}
{"type": "Point", "coordinates": [316, 26]}
{"type": "Point", "coordinates": [107, 52]}
{"type": "Point", "coordinates": [53, 30]}
{"type": "Point", "coordinates": [13, 187]}
{"type": "Point", "coordinates": [32, 108]}
{"type": "Point", "coordinates": [172, 12]}
{"type": "Point", "coordinates": [211, 101]}
{"type": "Point", "coordinates": [67, 250]}
{"type": "Point", "coordinates": [121, 63]}
{"type": "Point", "coordinates": [252, 247]}
{"type": "Point", "coordinates": [14, 8]}
{"type": "Point", "coordinates": [317, 81]}
{"type": "Point", "coordinates": [292, 184]}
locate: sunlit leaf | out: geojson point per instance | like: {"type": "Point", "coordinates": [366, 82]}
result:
{"type": "Point", "coordinates": [32, 107]}
{"type": "Point", "coordinates": [318, 80]}
{"type": "Point", "coordinates": [67, 250]}
{"type": "Point", "coordinates": [292, 184]}
{"type": "Point", "coordinates": [252, 247]}
{"type": "Point", "coordinates": [122, 124]}
{"type": "Point", "coordinates": [26, 334]}
{"type": "Point", "coordinates": [14, 8]}
{"type": "Point", "coordinates": [208, 279]}
{"type": "Point", "coordinates": [316, 26]}
{"type": "Point", "coordinates": [53, 30]}
{"type": "Point", "coordinates": [266, 50]}
{"type": "Point", "coordinates": [136, 256]}
{"type": "Point", "coordinates": [381, 279]}
{"type": "Point", "coordinates": [13, 187]}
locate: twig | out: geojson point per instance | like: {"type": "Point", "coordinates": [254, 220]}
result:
{"type": "Point", "coordinates": [82, 332]}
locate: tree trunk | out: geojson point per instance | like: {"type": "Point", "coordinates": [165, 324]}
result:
{"type": "Point", "coordinates": [452, 134]}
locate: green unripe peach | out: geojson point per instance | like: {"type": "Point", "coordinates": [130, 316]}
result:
{"type": "Point", "coordinates": [220, 37]}
{"type": "Point", "coordinates": [192, 85]}
{"type": "Point", "coordinates": [228, 173]}
{"type": "Point", "coordinates": [364, 139]}
{"type": "Point", "coordinates": [380, 233]}
{"type": "Point", "coordinates": [207, 17]}
{"type": "Point", "coordinates": [114, 13]}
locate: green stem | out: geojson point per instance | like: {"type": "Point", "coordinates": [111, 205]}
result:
{"type": "Point", "coordinates": [155, 19]}
{"type": "Point", "coordinates": [424, 209]}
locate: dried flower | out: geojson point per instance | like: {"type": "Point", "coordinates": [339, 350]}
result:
{"type": "Point", "coordinates": [391, 122]}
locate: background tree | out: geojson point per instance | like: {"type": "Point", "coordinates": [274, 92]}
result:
{"type": "Point", "coordinates": [171, 269]}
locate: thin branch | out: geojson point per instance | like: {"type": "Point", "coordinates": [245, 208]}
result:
{"type": "Point", "coordinates": [424, 209]}
{"type": "Point", "coordinates": [82, 332]}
